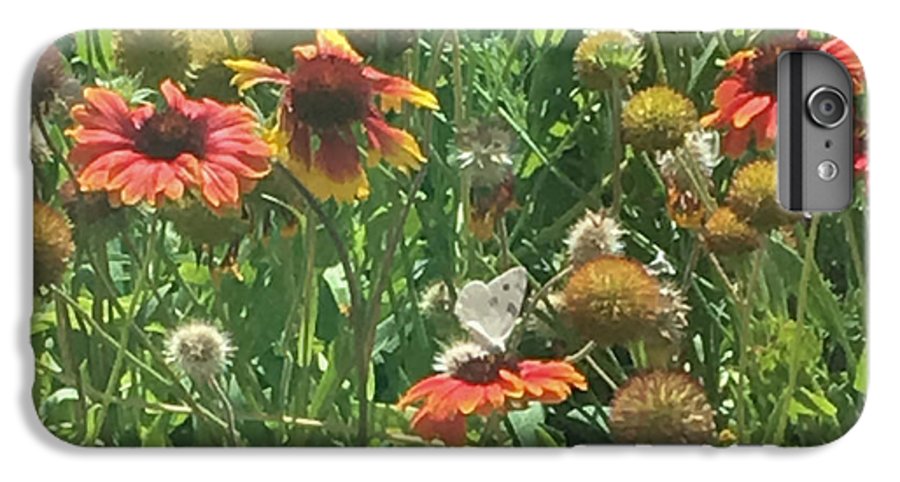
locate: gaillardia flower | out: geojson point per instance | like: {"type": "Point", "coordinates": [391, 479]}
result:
{"type": "Point", "coordinates": [200, 349]}
{"type": "Point", "coordinates": [662, 408]}
{"type": "Point", "coordinates": [752, 196]}
{"type": "Point", "coordinates": [53, 246]}
{"type": "Point", "coordinates": [607, 58]}
{"type": "Point", "coordinates": [616, 300]}
{"type": "Point", "coordinates": [329, 92]}
{"type": "Point", "coordinates": [593, 235]}
{"type": "Point", "coordinates": [657, 119]}
{"type": "Point", "coordinates": [156, 55]}
{"type": "Point", "coordinates": [144, 153]}
{"type": "Point", "coordinates": [475, 381]}
{"type": "Point", "coordinates": [726, 233]}
{"type": "Point", "coordinates": [745, 100]}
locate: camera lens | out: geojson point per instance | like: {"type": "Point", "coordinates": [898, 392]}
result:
{"type": "Point", "coordinates": [827, 107]}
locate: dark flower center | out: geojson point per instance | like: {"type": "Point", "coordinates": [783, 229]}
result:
{"type": "Point", "coordinates": [328, 92]}
{"type": "Point", "coordinates": [166, 135]}
{"type": "Point", "coordinates": [485, 369]}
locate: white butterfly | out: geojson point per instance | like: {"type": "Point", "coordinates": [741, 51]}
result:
{"type": "Point", "coordinates": [489, 311]}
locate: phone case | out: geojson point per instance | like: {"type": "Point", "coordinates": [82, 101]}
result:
{"type": "Point", "coordinates": [435, 238]}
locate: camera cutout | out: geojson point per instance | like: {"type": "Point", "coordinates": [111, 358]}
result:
{"type": "Point", "coordinates": [815, 132]}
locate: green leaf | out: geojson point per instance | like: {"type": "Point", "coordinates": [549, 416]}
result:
{"type": "Point", "coordinates": [861, 381]}
{"type": "Point", "coordinates": [525, 424]}
{"type": "Point", "coordinates": [823, 404]}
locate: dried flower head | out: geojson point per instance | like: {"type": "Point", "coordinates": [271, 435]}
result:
{"type": "Point", "coordinates": [484, 152]}
{"type": "Point", "coordinates": [200, 349]}
{"type": "Point", "coordinates": [155, 54]}
{"type": "Point", "coordinates": [593, 235]}
{"type": "Point", "coordinates": [615, 300]}
{"type": "Point", "coordinates": [694, 160]}
{"type": "Point", "coordinates": [662, 408]}
{"type": "Point", "coordinates": [49, 76]}
{"type": "Point", "coordinates": [93, 217]}
{"type": "Point", "coordinates": [657, 119]}
{"type": "Point", "coordinates": [53, 246]}
{"type": "Point", "coordinates": [752, 196]}
{"type": "Point", "coordinates": [607, 58]}
{"type": "Point", "coordinates": [725, 233]}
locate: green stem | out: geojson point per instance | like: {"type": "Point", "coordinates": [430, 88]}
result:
{"type": "Point", "coordinates": [234, 435]}
{"type": "Point", "coordinates": [662, 77]}
{"type": "Point", "coordinates": [802, 300]}
{"type": "Point", "coordinates": [855, 251]}
{"type": "Point", "coordinates": [615, 114]}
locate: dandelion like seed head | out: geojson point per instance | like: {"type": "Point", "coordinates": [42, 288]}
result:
{"type": "Point", "coordinates": [607, 58]}
{"type": "Point", "coordinates": [657, 119]}
{"type": "Point", "coordinates": [593, 235]}
{"type": "Point", "coordinates": [469, 361]}
{"type": "Point", "coordinates": [200, 349]}
{"type": "Point", "coordinates": [725, 233]}
{"type": "Point", "coordinates": [53, 245]}
{"type": "Point", "coordinates": [155, 54]}
{"type": "Point", "coordinates": [752, 196]}
{"type": "Point", "coordinates": [615, 300]}
{"type": "Point", "coordinates": [662, 407]}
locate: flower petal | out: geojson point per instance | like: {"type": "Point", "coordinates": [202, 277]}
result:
{"type": "Point", "coordinates": [749, 111]}
{"type": "Point", "coordinates": [401, 88]}
{"type": "Point", "coordinates": [252, 72]}
{"type": "Point", "coordinates": [332, 42]}
{"type": "Point", "coordinates": [396, 146]}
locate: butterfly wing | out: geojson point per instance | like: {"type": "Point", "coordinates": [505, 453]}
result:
{"type": "Point", "coordinates": [489, 311]}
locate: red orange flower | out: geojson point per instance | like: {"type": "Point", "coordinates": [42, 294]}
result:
{"type": "Point", "coordinates": [141, 153]}
{"type": "Point", "coordinates": [745, 99]}
{"type": "Point", "coordinates": [477, 382]}
{"type": "Point", "coordinates": [328, 93]}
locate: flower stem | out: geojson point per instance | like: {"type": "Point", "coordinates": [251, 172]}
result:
{"type": "Point", "coordinates": [615, 119]}
{"type": "Point", "coordinates": [662, 77]}
{"type": "Point", "coordinates": [233, 433]}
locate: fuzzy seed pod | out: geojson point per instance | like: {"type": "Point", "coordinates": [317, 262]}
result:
{"type": "Point", "coordinates": [200, 349]}
{"type": "Point", "coordinates": [93, 217]}
{"type": "Point", "coordinates": [607, 58]}
{"type": "Point", "coordinates": [209, 48]}
{"type": "Point", "coordinates": [593, 235]}
{"type": "Point", "coordinates": [657, 119]}
{"type": "Point", "coordinates": [274, 46]}
{"type": "Point", "coordinates": [53, 246]}
{"type": "Point", "coordinates": [662, 408]}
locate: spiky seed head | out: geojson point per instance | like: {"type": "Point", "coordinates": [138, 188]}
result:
{"type": "Point", "coordinates": [53, 245]}
{"type": "Point", "coordinates": [752, 196]}
{"type": "Point", "coordinates": [616, 300]}
{"type": "Point", "coordinates": [155, 54]}
{"type": "Point", "coordinates": [662, 407]}
{"type": "Point", "coordinates": [609, 57]}
{"type": "Point", "coordinates": [657, 119]}
{"type": "Point", "coordinates": [727, 234]}
{"type": "Point", "coordinates": [195, 222]}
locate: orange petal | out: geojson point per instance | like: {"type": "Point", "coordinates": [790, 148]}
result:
{"type": "Point", "coordinates": [750, 110]}
{"type": "Point", "coordinates": [252, 72]}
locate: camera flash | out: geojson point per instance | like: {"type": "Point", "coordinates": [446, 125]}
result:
{"type": "Point", "coordinates": [827, 170]}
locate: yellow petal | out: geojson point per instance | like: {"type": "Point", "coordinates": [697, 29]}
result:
{"type": "Point", "coordinates": [251, 72]}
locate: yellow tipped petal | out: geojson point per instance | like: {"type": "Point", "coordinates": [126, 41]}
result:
{"type": "Point", "coordinates": [334, 43]}
{"type": "Point", "coordinates": [251, 72]}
